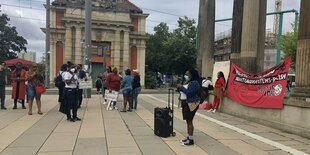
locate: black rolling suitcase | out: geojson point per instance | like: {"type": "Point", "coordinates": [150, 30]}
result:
{"type": "Point", "coordinates": [163, 118]}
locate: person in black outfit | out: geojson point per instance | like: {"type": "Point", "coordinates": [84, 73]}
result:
{"type": "Point", "coordinates": [136, 86]}
{"type": "Point", "coordinates": [81, 75]}
{"type": "Point", "coordinates": [2, 84]}
{"type": "Point", "coordinates": [61, 87]}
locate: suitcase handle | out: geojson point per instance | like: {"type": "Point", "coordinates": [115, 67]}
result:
{"type": "Point", "coordinates": [171, 98]}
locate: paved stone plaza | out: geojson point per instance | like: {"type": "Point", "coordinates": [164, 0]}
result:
{"type": "Point", "coordinates": [110, 132]}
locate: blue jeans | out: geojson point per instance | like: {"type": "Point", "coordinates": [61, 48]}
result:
{"type": "Point", "coordinates": [135, 94]}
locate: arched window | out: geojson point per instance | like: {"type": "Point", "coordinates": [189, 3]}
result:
{"type": "Point", "coordinates": [59, 55]}
{"type": "Point", "coordinates": [133, 57]}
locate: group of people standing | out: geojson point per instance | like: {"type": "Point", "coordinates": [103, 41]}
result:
{"type": "Point", "coordinates": [24, 83]}
{"type": "Point", "coordinates": [190, 98]}
{"type": "Point", "coordinates": [70, 96]}
{"type": "Point", "coordinates": [129, 85]}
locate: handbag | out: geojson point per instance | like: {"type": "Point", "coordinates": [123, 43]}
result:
{"type": "Point", "coordinates": [40, 89]}
{"type": "Point", "coordinates": [193, 105]}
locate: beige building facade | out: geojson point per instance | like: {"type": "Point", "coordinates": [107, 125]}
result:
{"type": "Point", "coordinates": [118, 35]}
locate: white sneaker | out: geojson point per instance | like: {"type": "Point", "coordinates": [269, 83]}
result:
{"type": "Point", "coordinates": [210, 110]}
{"type": "Point", "coordinates": [111, 108]}
{"type": "Point", "coordinates": [104, 102]}
{"type": "Point", "coordinates": [214, 111]}
{"type": "Point", "coordinates": [115, 108]}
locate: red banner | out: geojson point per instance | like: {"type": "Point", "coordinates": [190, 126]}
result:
{"type": "Point", "coordinates": [261, 90]}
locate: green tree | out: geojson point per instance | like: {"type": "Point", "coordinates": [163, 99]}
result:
{"type": "Point", "coordinates": [289, 45]}
{"type": "Point", "coordinates": [156, 50]}
{"type": "Point", "coordinates": [10, 41]}
{"type": "Point", "coordinates": [181, 47]}
{"type": "Point", "coordinates": [172, 53]}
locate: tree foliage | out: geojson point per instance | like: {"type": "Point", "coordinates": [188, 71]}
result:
{"type": "Point", "coordinates": [10, 41]}
{"type": "Point", "coordinates": [172, 52]}
{"type": "Point", "coordinates": [289, 45]}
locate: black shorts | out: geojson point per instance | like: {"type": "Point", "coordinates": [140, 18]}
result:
{"type": "Point", "coordinates": [187, 114]}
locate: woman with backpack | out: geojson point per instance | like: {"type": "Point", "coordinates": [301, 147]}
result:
{"type": "Point", "coordinates": [59, 82]}
{"type": "Point", "coordinates": [190, 107]}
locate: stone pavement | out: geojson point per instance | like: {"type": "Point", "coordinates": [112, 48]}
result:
{"type": "Point", "coordinates": [103, 132]}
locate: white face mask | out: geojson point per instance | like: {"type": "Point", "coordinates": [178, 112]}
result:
{"type": "Point", "coordinates": [72, 70]}
{"type": "Point", "coordinates": [186, 77]}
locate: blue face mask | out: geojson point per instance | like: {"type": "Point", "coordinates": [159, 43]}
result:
{"type": "Point", "coordinates": [186, 77]}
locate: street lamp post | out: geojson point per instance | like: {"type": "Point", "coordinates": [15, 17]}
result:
{"type": "Point", "coordinates": [87, 60]}
{"type": "Point", "coordinates": [47, 46]}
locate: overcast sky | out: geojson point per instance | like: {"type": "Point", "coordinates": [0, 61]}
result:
{"type": "Point", "coordinates": [29, 16]}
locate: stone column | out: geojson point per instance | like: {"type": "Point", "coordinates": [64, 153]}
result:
{"type": "Point", "coordinates": [236, 31]}
{"type": "Point", "coordinates": [126, 55]}
{"type": "Point", "coordinates": [141, 60]}
{"type": "Point", "coordinates": [78, 46]}
{"type": "Point", "coordinates": [115, 60]}
{"type": "Point", "coordinates": [206, 25]}
{"type": "Point", "coordinates": [52, 61]}
{"type": "Point", "coordinates": [68, 45]}
{"type": "Point", "coordinates": [261, 36]}
{"type": "Point", "coordinates": [303, 53]}
{"type": "Point", "coordinates": [251, 39]}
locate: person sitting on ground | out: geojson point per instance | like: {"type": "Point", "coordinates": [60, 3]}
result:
{"type": "Point", "coordinates": [98, 84]}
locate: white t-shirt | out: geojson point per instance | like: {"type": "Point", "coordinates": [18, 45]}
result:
{"type": "Point", "coordinates": [183, 95]}
{"type": "Point", "coordinates": [73, 78]}
{"type": "Point", "coordinates": [206, 83]}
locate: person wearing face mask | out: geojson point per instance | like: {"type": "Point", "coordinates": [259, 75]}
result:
{"type": "Point", "coordinates": [70, 94]}
{"type": "Point", "coordinates": [182, 94]}
{"type": "Point", "coordinates": [82, 76]}
{"type": "Point", "coordinates": [190, 106]}
{"type": "Point", "coordinates": [19, 87]}
{"type": "Point", "coordinates": [2, 84]}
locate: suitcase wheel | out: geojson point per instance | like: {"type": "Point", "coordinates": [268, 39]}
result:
{"type": "Point", "coordinates": [173, 134]}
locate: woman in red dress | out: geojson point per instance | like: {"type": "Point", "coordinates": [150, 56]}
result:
{"type": "Point", "coordinates": [218, 91]}
{"type": "Point", "coordinates": [19, 87]}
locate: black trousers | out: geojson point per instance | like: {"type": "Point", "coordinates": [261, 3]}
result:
{"type": "Point", "coordinates": [70, 98]}
{"type": "Point", "coordinates": [2, 95]}
{"type": "Point", "coordinates": [80, 97]}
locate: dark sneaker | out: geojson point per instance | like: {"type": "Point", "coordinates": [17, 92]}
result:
{"type": "Point", "coordinates": [188, 142]}
{"type": "Point", "coordinates": [122, 110]}
{"type": "Point", "coordinates": [72, 120]}
{"type": "Point", "coordinates": [184, 140]}
{"type": "Point", "coordinates": [23, 107]}
{"type": "Point", "coordinates": [129, 110]}
{"type": "Point", "coordinates": [3, 108]}
{"type": "Point", "coordinates": [15, 107]}
{"type": "Point", "coordinates": [77, 119]}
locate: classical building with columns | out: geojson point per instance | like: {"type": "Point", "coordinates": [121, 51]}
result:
{"type": "Point", "coordinates": [118, 30]}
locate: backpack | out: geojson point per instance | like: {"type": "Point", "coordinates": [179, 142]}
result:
{"type": "Point", "coordinates": [59, 83]}
{"type": "Point", "coordinates": [210, 87]}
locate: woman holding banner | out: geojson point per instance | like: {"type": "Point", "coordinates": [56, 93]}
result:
{"type": "Point", "coordinates": [218, 91]}
{"type": "Point", "coordinates": [114, 83]}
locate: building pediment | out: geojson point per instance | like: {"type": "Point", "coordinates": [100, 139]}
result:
{"type": "Point", "coordinates": [101, 5]}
